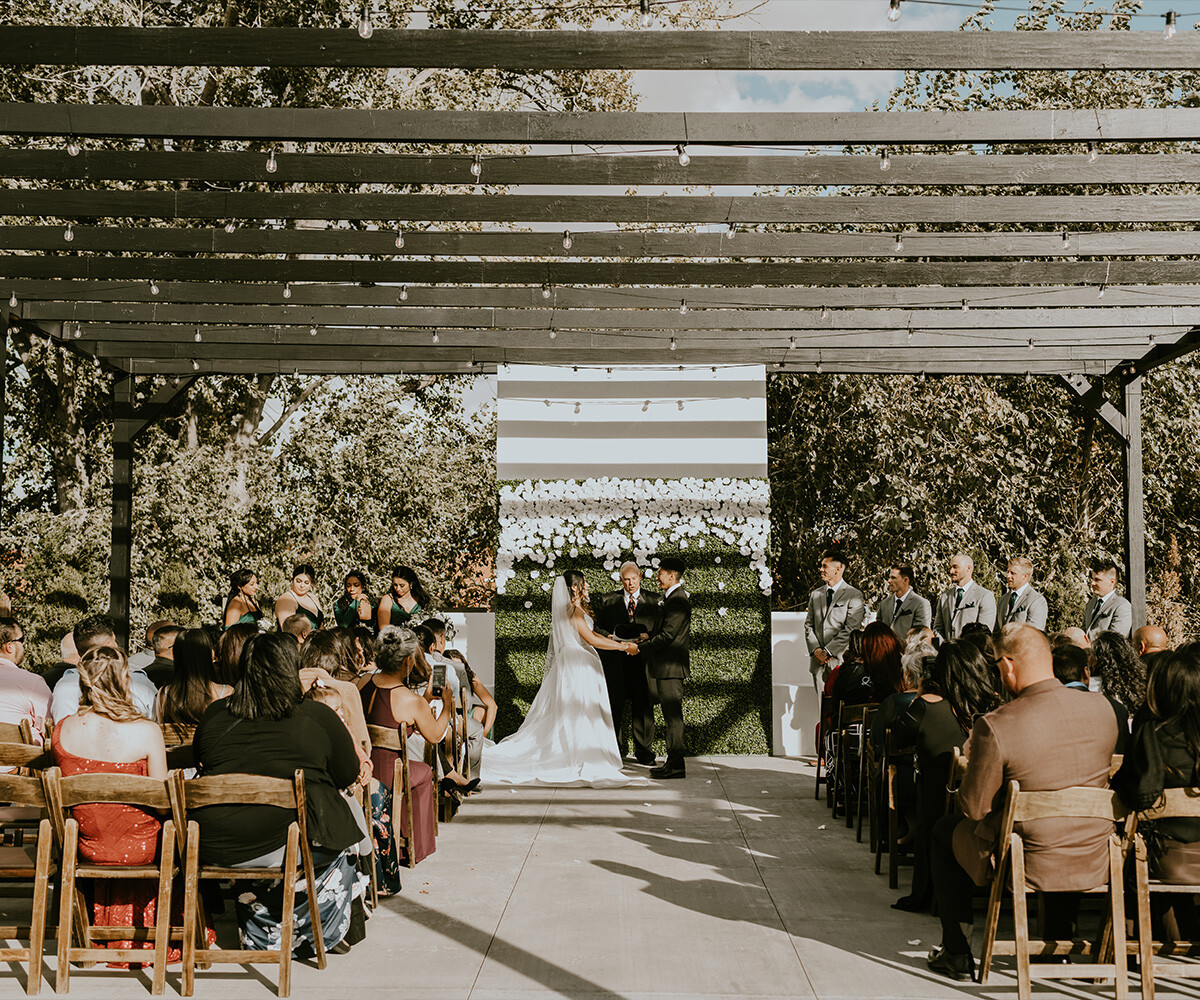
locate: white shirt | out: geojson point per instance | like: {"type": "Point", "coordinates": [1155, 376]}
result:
{"type": "Point", "coordinates": [65, 701]}
{"type": "Point", "coordinates": [671, 591]}
{"type": "Point", "coordinates": [141, 660]}
{"type": "Point", "coordinates": [636, 596]}
{"type": "Point", "coordinates": [23, 695]}
{"type": "Point", "coordinates": [901, 597]}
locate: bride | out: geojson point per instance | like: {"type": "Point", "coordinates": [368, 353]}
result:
{"type": "Point", "coordinates": [567, 737]}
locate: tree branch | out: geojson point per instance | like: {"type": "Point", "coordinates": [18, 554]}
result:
{"type": "Point", "coordinates": [292, 408]}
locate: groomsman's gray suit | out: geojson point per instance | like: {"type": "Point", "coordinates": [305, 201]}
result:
{"type": "Point", "coordinates": [914, 613]}
{"type": "Point", "coordinates": [829, 628]}
{"type": "Point", "coordinates": [977, 604]}
{"type": "Point", "coordinates": [1031, 609]}
{"type": "Point", "coordinates": [1112, 614]}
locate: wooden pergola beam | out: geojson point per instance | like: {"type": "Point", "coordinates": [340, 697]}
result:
{"type": "Point", "coordinates": [1128, 324]}
{"type": "Point", "coordinates": [64, 292]}
{"type": "Point", "coordinates": [587, 244]}
{"type": "Point", "coordinates": [641, 273]}
{"type": "Point", "coordinates": [574, 50]}
{"type": "Point", "coordinates": [597, 169]}
{"type": "Point", "coordinates": [878, 210]}
{"type": "Point", "coordinates": [482, 128]}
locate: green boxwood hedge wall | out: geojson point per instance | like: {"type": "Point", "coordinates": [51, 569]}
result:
{"type": "Point", "coordinates": [727, 702]}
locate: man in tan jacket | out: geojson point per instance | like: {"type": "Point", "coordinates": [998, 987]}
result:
{"type": "Point", "coordinates": [1048, 737]}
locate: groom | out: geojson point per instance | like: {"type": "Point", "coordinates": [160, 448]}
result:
{"type": "Point", "coordinates": [666, 653]}
{"type": "Point", "coordinates": [629, 613]}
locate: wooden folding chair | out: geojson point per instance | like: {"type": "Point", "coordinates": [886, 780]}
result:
{"type": "Point", "coordinates": [19, 823]}
{"type": "Point", "coordinates": [1154, 957]}
{"type": "Point", "coordinates": [28, 864]}
{"type": "Point", "coordinates": [862, 793]}
{"type": "Point", "coordinates": [958, 770]}
{"type": "Point", "coordinates": [1023, 807]}
{"type": "Point", "coordinates": [247, 789]}
{"type": "Point", "coordinates": [364, 802]}
{"type": "Point", "coordinates": [64, 794]}
{"type": "Point", "coordinates": [821, 780]}
{"type": "Point", "coordinates": [889, 841]}
{"type": "Point", "coordinates": [464, 764]}
{"type": "Point", "coordinates": [389, 739]}
{"type": "Point", "coordinates": [849, 716]}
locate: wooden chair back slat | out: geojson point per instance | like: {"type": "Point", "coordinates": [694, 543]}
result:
{"type": "Point", "coordinates": [10, 732]}
{"type": "Point", "coordinates": [1114, 765]}
{"type": "Point", "coordinates": [386, 738]}
{"type": "Point", "coordinates": [239, 790]}
{"type": "Point", "coordinates": [1174, 803]}
{"type": "Point", "coordinates": [24, 755]}
{"type": "Point", "coordinates": [128, 789]}
{"type": "Point", "coordinates": [1078, 802]}
{"type": "Point", "coordinates": [22, 791]}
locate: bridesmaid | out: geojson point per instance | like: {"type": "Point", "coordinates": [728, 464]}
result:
{"type": "Point", "coordinates": [241, 603]}
{"type": "Point", "coordinates": [354, 607]}
{"type": "Point", "coordinates": [300, 598]}
{"type": "Point", "coordinates": [405, 599]}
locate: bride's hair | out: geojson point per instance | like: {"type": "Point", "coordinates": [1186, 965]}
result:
{"type": "Point", "coordinates": [575, 582]}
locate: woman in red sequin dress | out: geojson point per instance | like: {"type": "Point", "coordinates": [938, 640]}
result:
{"type": "Point", "coordinates": [109, 735]}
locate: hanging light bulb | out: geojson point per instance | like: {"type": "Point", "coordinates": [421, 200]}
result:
{"type": "Point", "coordinates": [198, 337]}
{"type": "Point", "coordinates": [910, 334]}
{"type": "Point", "coordinates": [646, 406]}
{"type": "Point", "coordinates": [399, 239]}
{"type": "Point", "coordinates": [195, 365]}
{"type": "Point", "coordinates": [899, 241]}
{"type": "Point", "coordinates": [287, 289]}
{"type": "Point", "coordinates": [577, 407]}
{"type": "Point", "coordinates": [272, 163]}
{"type": "Point", "coordinates": [231, 227]}
{"type": "Point", "coordinates": [547, 402]}
{"type": "Point", "coordinates": [78, 330]}
{"type": "Point", "coordinates": [72, 146]}
{"type": "Point", "coordinates": [885, 160]}
{"type": "Point", "coordinates": [312, 331]}
{"type": "Point", "coordinates": [824, 312]}
{"type": "Point", "coordinates": [673, 344]}
{"type": "Point", "coordinates": [732, 230]}
{"type": "Point", "coordinates": [12, 300]}
{"type": "Point", "coordinates": [1152, 340]}
{"type": "Point", "coordinates": [965, 306]}
{"type": "Point", "coordinates": [153, 287]}
{"type": "Point", "coordinates": [684, 159]}
{"type": "Point", "coordinates": [778, 365]}
{"type": "Point", "coordinates": [567, 239]}
{"type": "Point", "coordinates": [1066, 240]}
{"type": "Point", "coordinates": [819, 368]}
{"type": "Point", "coordinates": [1031, 343]}
{"type": "Point", "coordinates": [436, 338]}
{"type": "Point", "coordinates": [477, 166]}
{"type": "Point", "coordinates": [646, 16]}
{"type": "Point", "coordinates": [683, 307]}
{"type": "Point", "coordinates": [1093, 152]}
{"type": "Point", "coordinates": [404, 293]}
{"type": "Point", "coordinates": [554, 335]}
{"type": "Point", "coordinates": [893, 13]}
{"type": "Point", "coordinates": [679, 404]}
{"type": "Point", "coordinates": [69, 233]}
{"type": "Point", "coordinates": [1101, 295]}
{"type": "Point", "coordinates": [545, 290]}
{"type": "Point", "coordinates": [365, 28]}
{"type": "Point", "coordinates": [1169, 30]}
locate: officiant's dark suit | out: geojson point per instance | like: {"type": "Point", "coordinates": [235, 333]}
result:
{"type": "Point", "coordinates": [668, 662]}
{"type": "Point", "coordinates": [625, 674]}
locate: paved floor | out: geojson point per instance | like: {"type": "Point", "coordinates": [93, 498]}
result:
{"type": "Point", "coordinates": [732, 883]}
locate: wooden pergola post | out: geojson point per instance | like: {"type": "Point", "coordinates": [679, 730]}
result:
{"type": "Point", "coordinates": [125, 426]}
{"type": "Point", "coordinates": [1135, 518]}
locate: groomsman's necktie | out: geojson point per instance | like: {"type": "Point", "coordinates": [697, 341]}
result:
{"type": "Point", "coordinates": [632, 605]}
{"type": "Point", "coordinates": [896, 609]}
{"type": "Point", "coordinates": [1012, 603]}
{"type": "Point", "coordinates": [958, 598]}
{"type": "Point", "coordinates": [828, 599]}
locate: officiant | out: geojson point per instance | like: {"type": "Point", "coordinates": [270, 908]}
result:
{"type": "Point", "coordinates": [629, 613]}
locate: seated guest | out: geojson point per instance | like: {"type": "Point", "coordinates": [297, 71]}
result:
{"type": "Point", "coordinates": [1046, 738]}
{"type": "Point", "coordinates": [1164, 752]}
{"type": "Point", "coordinates": [354, 605]}
{"type": "Point", "coordinates": [23, 695]}
{"type": "Point", "coordinates": [933, 724]}
{"type": "Point", "coordinates": [895, 705]}
{"type": "Point", "coordinates": [1150, 639]}
{"type": "Point", "coordinates": [432, 635]}
{"type": "Point", "coordinates": [483, 705]}
{"type": "Point", "coordinates": [300, 598]}
{"type": "Point", "coordinates": [241, 603]}
{"type": "Point", "coordinates": [91, 633]}
{"type": "Point", "coordinates": [322, 658]}
{"type": "Point", "coordinates": [194, 686]}
{"type": "Point", "coordinates": [69, 657]}
{"type": "Point", "coordinates": [1122, 674]}
{"type": "Point", "coordinates": [145, 656]}
{"type": "Point", "coordinates": [1071, 667]}
{"type": "Point", "coordinates": [162, 668]}
{"type": "Point", "coordinates": [298, 626]}
{"type": "Point", "coordinates": [227, 668]}
{"type": "Point", "coordinates": [388, 701]}
{"type": "Point", "coordinates": [364, 639]}
{"type": "Point", "coordinates": [848, 681]}
{"type": "Point", "coordinates": [921, 637]}
{"type": "Point", "coordinates": [265, 727]}
{"type": "Point", "coordinates": [110, 735]}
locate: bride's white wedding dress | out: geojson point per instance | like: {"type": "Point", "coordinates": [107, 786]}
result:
{"type": "Point", "coordinates": [567, 738]}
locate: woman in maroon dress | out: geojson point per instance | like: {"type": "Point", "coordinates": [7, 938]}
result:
{"type": "Point", "coordinates": [109, 735]}
{"type": "Point", "coordinates": [388, 701]}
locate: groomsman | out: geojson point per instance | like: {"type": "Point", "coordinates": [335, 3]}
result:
{"type": "Point", "coordinates": [905, 609]}
{"type": "Point", "coordinates": [834, 611]}
{"type": "Point", "coordinates": [1021, 603]}
{"type": "Point", "coordinates": [1106, 610]}
{"type": "Point", "coordinates": [964, 601]}
{"type": "Point", "coordinates": [667, 652]}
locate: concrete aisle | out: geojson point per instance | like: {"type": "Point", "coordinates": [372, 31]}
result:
{"type": "Point", "coordinates": [731, 883]}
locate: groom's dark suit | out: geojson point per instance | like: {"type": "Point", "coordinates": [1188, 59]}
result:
{"type": "Point", "coordinates": [625, 674]}
{"type": "Point", "coordinates": [668, 663]}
